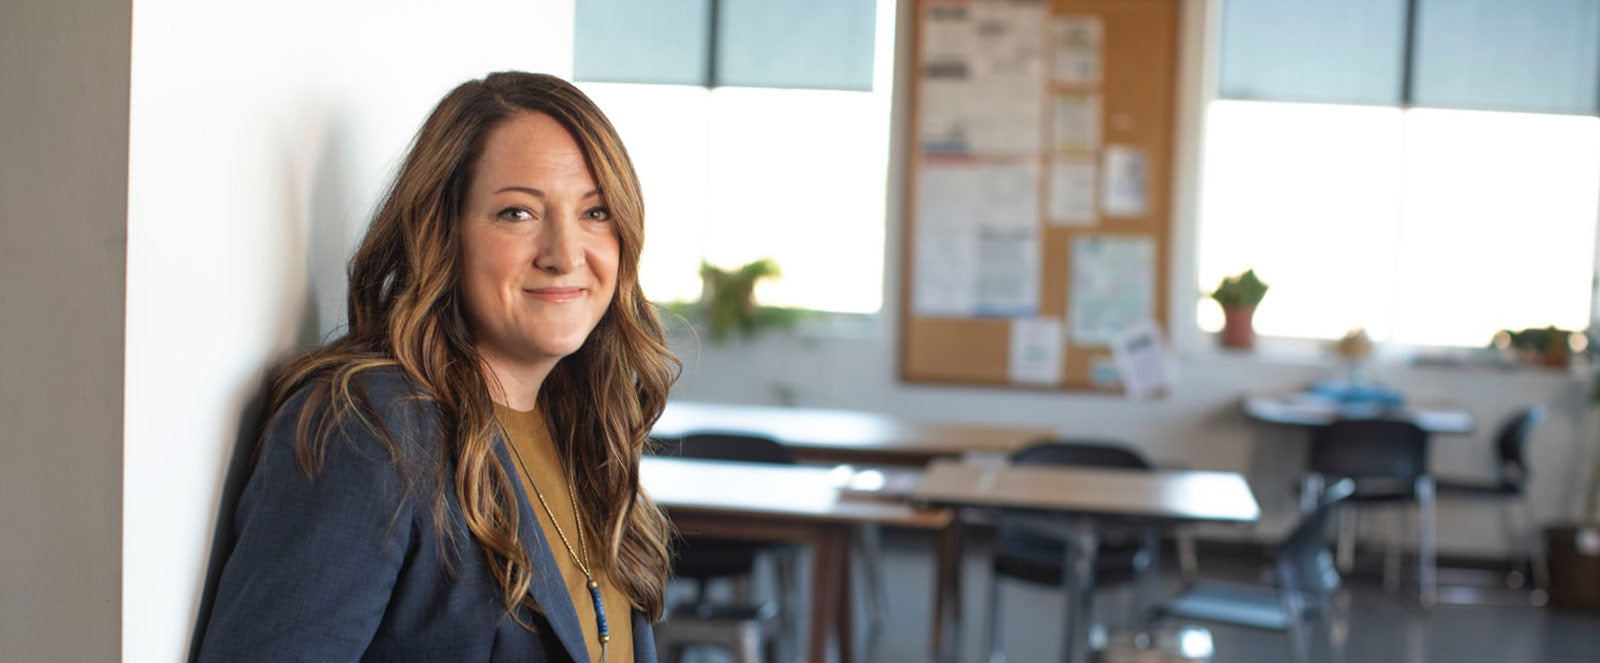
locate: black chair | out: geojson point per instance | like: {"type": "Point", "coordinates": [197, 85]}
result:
{"type": "Point", "coordinates": [1510, 484]}
{"type": "Point", "coordinates": [703, 559]}
{"type": "Point", "coordinates": [1388, 461]}
{"type": "Point", "coordinates": [1304, 574]}
{"type": "Point", "coordinates": [1025, 553]}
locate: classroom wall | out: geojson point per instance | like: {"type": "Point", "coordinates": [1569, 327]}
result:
{"type": "Point", "coordinates": [63, 175]}
{"type": "Point", "coordinates": [261, 136]}
{"type": "Point", "coordinates": [1199, 425]}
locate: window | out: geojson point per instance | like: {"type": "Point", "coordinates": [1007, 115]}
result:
{"type": "Point", "coordinates": [1425, 226]}
{"type": "Point", "coordinates": [735, 174]}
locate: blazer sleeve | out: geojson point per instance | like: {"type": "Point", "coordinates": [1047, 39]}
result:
{"type": "Point", "coordinates": [315, 558]}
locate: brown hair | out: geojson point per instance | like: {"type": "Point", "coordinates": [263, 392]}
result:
{"type": "Point", "coordinates": [405, 311]}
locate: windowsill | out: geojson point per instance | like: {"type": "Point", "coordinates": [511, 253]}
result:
{"type": "Point", "coordinates": [1313, 353]}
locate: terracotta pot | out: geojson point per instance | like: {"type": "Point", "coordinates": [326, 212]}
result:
{"type": "Point", "coordinates": [1237, 331]}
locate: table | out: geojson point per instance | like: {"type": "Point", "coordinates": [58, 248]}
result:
{"type": "Point", "coordinates": [760, 502]}
{"type": "Point", "coordinates": [843, 436]}
{"type": "Point", "coordinates": [1300, 409]}
{"type": "Point", "coordinates": [1082, 498]}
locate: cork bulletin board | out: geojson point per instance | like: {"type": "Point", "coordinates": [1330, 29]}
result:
{"type": "Point", "coordinates": [1039, 221]}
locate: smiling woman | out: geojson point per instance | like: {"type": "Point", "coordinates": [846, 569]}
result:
{"type": "Point", "coordinates": [497, 330]}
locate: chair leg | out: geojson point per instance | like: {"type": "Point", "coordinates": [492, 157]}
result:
{"type": "Point", "coordinates": [870, 539]}
{"type": "Point", "coordinates": [992, 633]}
{"type": "Point", "coordinates": [1188, 560]}
{"type": "Point", "coordinates": [1393, 535]}
{"type": "Point", "coordinates": [1427, 569]}
{"type": "Point", "coordinates": [1538, 556]}
{"type": "Point", "coordinates": [1509, 530]}
{"type": "Point", "coordinates": [1299, 640]}
{"type": "Point", "coordinates": [788, 563]}
{"type": "Point", "coordinates": [1345, 546]}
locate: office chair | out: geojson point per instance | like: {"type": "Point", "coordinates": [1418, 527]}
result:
{"type": "Point", "coordinates": [1305, 575]}
{"type": "Point", "coordinates": [1510, 484]}
{"type": "Point", "coordinates": [1024, 553]}
{"type": "Point", "coordinates": [1388, 461]}
{"type": "Point", "coordinates": [703, 560]}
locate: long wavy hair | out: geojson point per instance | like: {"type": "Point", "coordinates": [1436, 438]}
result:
{"type": "Point", "coordinates": [405, 311]}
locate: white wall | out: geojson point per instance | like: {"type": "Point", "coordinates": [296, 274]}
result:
{"type": "Point", "coordinates": [261, 137]}
{"type": "Point", "coordinates": [63, 175]}
{"type": "Point", "coordinates": [1199, 425]}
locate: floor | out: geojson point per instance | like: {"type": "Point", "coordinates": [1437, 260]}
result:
{"type": "Point", "coordinates": [1377, 628]}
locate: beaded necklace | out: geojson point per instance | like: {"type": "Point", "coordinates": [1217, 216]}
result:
{"type": "Point", "coordinates": [583, 560]}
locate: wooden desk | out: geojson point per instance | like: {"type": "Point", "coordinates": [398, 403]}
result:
{"type": "Point", "coordinates": [843, 436]}
{"type": "Point", "coordinates": [1297, 409]}
{"type": "Point", "coordinates": [758, 502]}
{"type": "Point", "coordinates": [1085, 497]}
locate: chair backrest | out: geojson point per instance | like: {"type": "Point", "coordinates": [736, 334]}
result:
{"type": "Point", "coordinates": [1084, 453]}
{"type": "Point", "coordinates": [732, 446]}
{"type": "Point", "coordinates": [1511, 444]}
{"type": "Point", "coordinates": [1370, 449]}
{"type": "Point", "coordinates": [1303, 563]}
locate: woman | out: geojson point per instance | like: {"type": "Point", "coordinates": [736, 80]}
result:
{"type": "Point", "coordinates": [457, 478]}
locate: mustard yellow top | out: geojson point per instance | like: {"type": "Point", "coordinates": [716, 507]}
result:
{"type": "Point", "coordinates": [526, 432]}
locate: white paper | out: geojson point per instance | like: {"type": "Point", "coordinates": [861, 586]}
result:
{"type": "Point", "coordinates": [962, 193]}
{"type": "Point", "coordinates": [1072, 191]}
{"type": "Point", "coordinates": [1008, 272]}
{"type": "Point", "coordinates": [945, 272]}
{"type": "Point", "coordinates": [1141, 360]}
{"type": "Point", "coordinates": [1076, 119]}
{"type": "Point", "coordinates": [983, 79]}
{"type": "Point", "coordinates": [1077, 40]}
{"type": "Point", "coordinates": [977, 239]}
{"type": "Point", "coordinates": [1103, 372]}
{"type": "Point", "coordinates": [1127, 182]}
{"type": "Point", "coordinates": [1113, 286]}
{"type": "Point", "coordinates": [1036, 351]}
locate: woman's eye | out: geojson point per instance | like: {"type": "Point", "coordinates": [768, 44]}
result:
{"type": "Point", "coordinates": [597, 214]}
{"type": "Point", "coordinates": [514, 214]}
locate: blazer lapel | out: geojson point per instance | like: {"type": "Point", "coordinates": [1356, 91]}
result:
{"type": "Point", "coordinates": [548, 587]}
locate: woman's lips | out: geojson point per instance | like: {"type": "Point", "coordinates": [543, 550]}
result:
{"type": "Point", "coordinates": [556, 295]}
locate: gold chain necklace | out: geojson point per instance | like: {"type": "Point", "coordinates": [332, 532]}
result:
{"type": "Point", "coordinates": [582, 562]}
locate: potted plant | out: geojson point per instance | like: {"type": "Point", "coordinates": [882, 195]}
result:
{"type": "Point", "coordinates": [1548, 346]}
{"type": "Point", "coordinates": [727, 301]}
{"type": "Point", "coordinates": [1239, 296]}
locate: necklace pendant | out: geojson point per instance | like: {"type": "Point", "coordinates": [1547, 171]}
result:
{"type": "Point", "coordinates": [599, 611]}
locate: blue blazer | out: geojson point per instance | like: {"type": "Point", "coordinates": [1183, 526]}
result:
{"type": "Point", "coordinates": [349, 565]}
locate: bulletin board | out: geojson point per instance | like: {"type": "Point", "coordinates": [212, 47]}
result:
{"type": "Point", "coordinates": [1038, 192]}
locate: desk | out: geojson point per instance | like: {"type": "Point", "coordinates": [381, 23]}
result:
{"type": "Point", "coordinates": [843, 436]}
{"type": "Point", "coordinates": [1085, 497]}
{"type": "Point", "coordinates": [1297, 409]}
{"type": "Point", "coordinates": [758, 502]}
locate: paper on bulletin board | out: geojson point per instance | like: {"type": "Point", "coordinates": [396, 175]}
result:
{"type": "Point", "coordinates": [1036, 351]}
{"type": "Point", "coordinates": [946, 70]}
{"type": "Point", "coordinates": [1127, 182]}
{"type": "Point", "coordinates": [1072, 191]}
{"type": "Point", "coordinates": [1076, 41]}
{"type": "Point", "coordinates": [976, 238]}
{"type": "Point", "coordinates": [1076, 118]}
{"type": "Point", "coordinates": [1141, 360]}
{"type": "Point", "coordinates": [1008, 272]}
{"type": "Point", "coordinates": [1112, 288]}
{"type": "Point", "coordinates": [945, 272]}
{"type": "Point", "coordinates": [983, 78]}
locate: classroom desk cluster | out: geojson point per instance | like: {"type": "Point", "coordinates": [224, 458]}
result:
{"type": "Point", "coordinates": [819, 504]}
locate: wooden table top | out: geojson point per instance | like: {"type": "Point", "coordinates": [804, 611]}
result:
{"type": "Point", "coordinates": [1192, 496]}
{"type": "Point", "coordinates": [786, 491]}
{"type": "Point", "coordinates": [1297, 409]}
{"type": "Point", "coordinates": [844, 430]}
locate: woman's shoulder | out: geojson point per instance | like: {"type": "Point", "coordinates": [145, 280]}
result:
{"type": "Point", "coordinates": [376, 409]}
